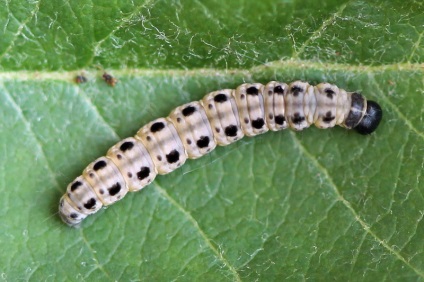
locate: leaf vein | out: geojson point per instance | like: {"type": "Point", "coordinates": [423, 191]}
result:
{"type": "Point", "coordinates": [416, 46]}
{"type": "Point", "coordinates": [28, 126]}
{"type": "Point", "coordinates": [20, 28]}
{"type": "Point", "coordinates": [292, 63]}
{"type": "Point", "coordinates": [349, 207]}
{"type": "Point", "coordinates": [94, 108]}
{"type": "Point", "coordinates": [285, 203]}
{"type": "Point", "coordinates": [317, 33]}
{"type": "Point", "coordinates": [396, 109]}
{"type": "Point", "coordinates": [358, 251]}
{"type": "Point", "coordinates": [122, 23]}
{"type": "Point", "coordinates": [97, 264]}
{"type": "Point", "coordinates": [190, 218]}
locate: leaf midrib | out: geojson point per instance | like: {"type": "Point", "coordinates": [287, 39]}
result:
{"type": "Point", "coordinates": [69, 76]}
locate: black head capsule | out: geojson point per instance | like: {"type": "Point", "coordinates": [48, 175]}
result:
{"type": "Point", "coordinates": [371, 119]}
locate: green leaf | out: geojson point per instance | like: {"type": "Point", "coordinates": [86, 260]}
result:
{"type": "Point", "coordinates": [316, 204]}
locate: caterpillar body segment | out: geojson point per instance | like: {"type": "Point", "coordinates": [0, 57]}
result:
{"type": "Point", "coordinates": [161, 139]}
{"type": "Point", "coordinates": [69, 213]}
{"type": "Point", "coordinates": [194, 129]}
{"type": "Point", "coordinates": [326, 105]}
{"type": "Point", "coordinates": [250, 105]}
{"type": "Point", "coordinates": [274, 93]}
{"type": "Point", "coordinates": [82, 194]}
{"type": "Point", "coordinates": [222, 113]}
{"type": "Point", "coordinates": [296, 106]}
{"type": "Point", "coordinates": [134, 162]}
{"type": "Point", "coordinates": [106, 180]}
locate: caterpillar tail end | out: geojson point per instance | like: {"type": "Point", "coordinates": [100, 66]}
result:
{"type": "Point", "coordinates": [371, 119]}
{"type": "Point", "coordinates": [69, 214]}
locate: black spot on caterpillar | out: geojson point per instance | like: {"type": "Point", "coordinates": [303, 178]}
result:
{"type": "Point", "coordinates": [126, 146]}
{"type": "Point", "coordinates": [99, 165]}
{"type": "Point", "coordinates": [220, 118]}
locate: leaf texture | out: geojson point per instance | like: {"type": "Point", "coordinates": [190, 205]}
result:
{"type": "Point", "coordinates": [310, 205]}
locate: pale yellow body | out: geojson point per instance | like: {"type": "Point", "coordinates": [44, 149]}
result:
{"type": "Point", "coordinates": [194, 129]}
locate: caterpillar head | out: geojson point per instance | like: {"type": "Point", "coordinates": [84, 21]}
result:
{"type": "Point", "coordinates": [371, 119]}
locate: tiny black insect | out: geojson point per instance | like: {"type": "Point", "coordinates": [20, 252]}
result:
{"type": "Point", "coordinates": [109, 79]}
{"type": "Point", "coordinates": [80, 79]}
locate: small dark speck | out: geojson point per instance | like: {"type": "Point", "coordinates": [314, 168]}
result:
{"type": "Point", "coordinates": [75, 185]}
{"type": "Point", "coordinates": [296, 90]}
{"type": "Point", "coordinates": [80, 79]}
{"type": "Point", "coordinates": [220, 98]}
{"type": "Point", "coordinates": [328, 117]}
{"type": "Point", "coordinates": [188, 111]}
{"type": "Point", "coordinates": [297, 118]}
{"type": "Point", "coordinates": [157, 126]}
{"type": "Point", "coordinates": [258, 123]}
{"type": "Point", "coordinates": [99, 165]}
{"type": "Point", "coordinates": [280, 119]}
{"type": "Point", "coordinates": [173, 156]}
{"type": "Point", "coordinates": [279, 90]}
{"type": "Point", "coordinates": [114, 189]}
{"type": "Point", "coordinates": [110, 80]}
{"type": "Point", "coordinates": [128, 145]}
{"type": "Point", "coordinates": [252, 91]}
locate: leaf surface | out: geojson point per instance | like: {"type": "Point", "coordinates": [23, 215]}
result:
{"type": "Point", "coordinates": [316, 204]}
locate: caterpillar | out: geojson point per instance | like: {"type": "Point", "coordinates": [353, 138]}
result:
{"type": "Point", "coordinates": [195, 129]}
